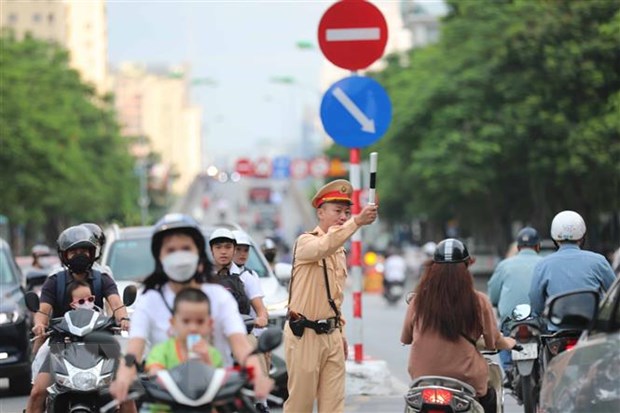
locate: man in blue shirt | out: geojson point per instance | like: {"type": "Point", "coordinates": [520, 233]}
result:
{"type": "Point", "coordinates": [510, 283]}
{"type": "Point", "coordinates": [569, 268]}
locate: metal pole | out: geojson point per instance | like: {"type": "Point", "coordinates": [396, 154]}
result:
{"type": "Point", "coordinates": [356, 257]}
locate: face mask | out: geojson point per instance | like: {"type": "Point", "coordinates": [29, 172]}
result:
{"type": "Point", "coordinates": [88, 305]}
{"type": "Point", "coordinates": [180, 266]}
{"type": "Point", "coordinates": [79, 264]}
{"type": "Point", "coordinates": [270, 256]}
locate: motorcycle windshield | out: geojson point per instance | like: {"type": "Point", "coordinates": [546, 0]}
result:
{"type": "Point", "coordinates": [81, 322]}
{"type": "Point", "coordinates": [192, 378]}
{"type": "Point", "coordinates": [81, 355]}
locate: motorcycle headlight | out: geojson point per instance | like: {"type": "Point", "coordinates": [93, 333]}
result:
{"type": "Point", "coordinates": [84, 380]}
{"type": "Point", "coordinates": [277, 306]}
{"type": "Point", "coordinates": [9, 317]}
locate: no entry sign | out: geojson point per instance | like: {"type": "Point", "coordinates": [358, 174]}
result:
{"type": "Point", "coordinates": [353, 34]}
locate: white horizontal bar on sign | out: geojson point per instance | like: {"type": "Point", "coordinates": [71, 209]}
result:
{"type": "Point", "coordinates": [358, 33]}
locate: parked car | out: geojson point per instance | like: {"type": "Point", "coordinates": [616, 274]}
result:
{"type": "Point", "coordinates": [15, 325]}
{"type": "Point", "coordinates": [587, 377]}
{"type": "Point", "coordinates": [128, 254]}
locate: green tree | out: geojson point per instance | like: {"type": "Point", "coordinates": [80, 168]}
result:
{"type": "Point", "coordinates": [512, 116]}
{"type": "Point", "coordinates": [62, 159]}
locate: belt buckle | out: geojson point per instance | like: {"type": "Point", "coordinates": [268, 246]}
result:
{"type": "Point", "coordinates": [327, 325]}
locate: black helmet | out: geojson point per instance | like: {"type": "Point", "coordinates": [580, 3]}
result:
{"type": "Point", "coordinates": [177, 223]}
{"type": "Point", "coordinates": [76, 237]}
{"type": "Point", "coordinates": [528, 237]}
{"type": "Point", "coordinates": [449, 251]}
{"type": "Point", "coordinates": [97, 231]}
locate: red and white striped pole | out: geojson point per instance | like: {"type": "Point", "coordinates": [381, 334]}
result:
{"type": "Point", "coordinates": [356, 256]}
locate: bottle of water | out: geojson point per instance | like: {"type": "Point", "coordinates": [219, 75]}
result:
{"type": "Point", "coordinates": [191, 340]}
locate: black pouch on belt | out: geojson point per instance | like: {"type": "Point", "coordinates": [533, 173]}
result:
{"type": "Point", "coordinates": [298, 325]}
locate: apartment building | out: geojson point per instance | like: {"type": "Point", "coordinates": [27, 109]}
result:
{"type": "Point", "coordinates": [78, 26]}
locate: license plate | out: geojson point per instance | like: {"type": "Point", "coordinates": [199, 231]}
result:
{"type": "Point", "coordinates": [529, 352]}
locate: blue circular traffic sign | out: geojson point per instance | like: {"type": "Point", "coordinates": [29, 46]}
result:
{"type": "Point", "coordinates": [356, 111]}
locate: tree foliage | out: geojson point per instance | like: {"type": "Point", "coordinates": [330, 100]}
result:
{"type": "Point", "coordinates": [62, 159]}
{"type": "Point", "coordinates": [513, 116]}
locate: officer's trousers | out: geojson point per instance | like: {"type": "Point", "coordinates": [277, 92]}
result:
{"type": "Point", "coordinates": [316, 370]}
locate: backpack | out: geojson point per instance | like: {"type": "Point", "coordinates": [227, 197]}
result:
{"type": "Point", "coordinates": [234, 285]}
{"type": "Point", "coordinates": [61, 290]}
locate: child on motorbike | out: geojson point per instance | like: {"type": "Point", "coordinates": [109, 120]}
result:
{"type": "Point", "coordinates": [445, 319]}
{"type": "Point", "coordinates": [81, 296]}
{"type": "Point", "coordinates": [191, 321]}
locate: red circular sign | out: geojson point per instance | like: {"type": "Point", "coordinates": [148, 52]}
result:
{"type": "Point", "coordinates": [262, 168]}
{"type": "Point", "coordinates": [244, 167]}
{"type": "Point", "coordinates": [353, 34]}
{"type": "Point", "coordinates": [319, 167]}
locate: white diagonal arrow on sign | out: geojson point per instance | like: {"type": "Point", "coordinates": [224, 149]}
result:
{"type": "Point", "coordinates": [368, 125]}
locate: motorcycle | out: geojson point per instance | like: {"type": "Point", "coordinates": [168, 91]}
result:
{"type": "Point", "coordinates": [35, 279]}
{"type": "Point", "coordinates": [194, 386]}
{"type": "Point", "coordinates": [82, 358]}
{"type": "Point", "coordinates": [438, 394]}
{"type": "Point", "coordinates": [393, 291]}
{"type": "Point", "coordinates": [526, 372]}
{"type": "Point", "coordinates": [557, 342]}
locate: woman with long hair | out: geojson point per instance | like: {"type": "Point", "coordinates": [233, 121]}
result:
{"type": "Point", "coordinates": [444, 320]}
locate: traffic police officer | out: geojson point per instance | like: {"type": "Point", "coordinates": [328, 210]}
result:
{"type": "Point", "coordinates": [315, 348]}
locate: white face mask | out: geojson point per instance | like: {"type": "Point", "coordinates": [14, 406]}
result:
{"type": "Point", "coordinates": [88, 305]}
{"type": "Point", "coordinates": [180, 266]}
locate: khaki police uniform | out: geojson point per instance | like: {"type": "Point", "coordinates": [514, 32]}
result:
{"type": "Point", "coordinates": [315, 362]}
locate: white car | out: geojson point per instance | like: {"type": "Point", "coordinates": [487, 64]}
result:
{"type": "Point", "coordinates": [128, 254]}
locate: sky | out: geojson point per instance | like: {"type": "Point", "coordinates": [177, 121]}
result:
{"type": "Point", "coordinates": [240, 45]}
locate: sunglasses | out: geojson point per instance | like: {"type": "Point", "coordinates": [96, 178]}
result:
{"type": "Point", "coordinates": [81, 301]}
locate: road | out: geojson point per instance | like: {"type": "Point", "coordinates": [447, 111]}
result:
{"type": "Point", "coordinates": [382, 324]}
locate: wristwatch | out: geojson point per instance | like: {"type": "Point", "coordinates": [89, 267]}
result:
{"type": "Point", "coordinates": [130, 360]}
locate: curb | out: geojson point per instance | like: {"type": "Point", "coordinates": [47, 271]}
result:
{"type": "Point", "coordinates": [372, 378]}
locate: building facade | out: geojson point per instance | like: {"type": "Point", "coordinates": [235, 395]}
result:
{"type": "Point", "coordinates": [153, 103]}
{"type": "Point", "coordinates": [78, 26]}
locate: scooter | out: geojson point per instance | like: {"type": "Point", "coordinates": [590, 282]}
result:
{"type": "Point", "coordinates": [434, 394]}
{"type": "Point", "coordinates": [393, 291]}
{"type": "Point", "coordinates": [193, 386]}
{"type": "Point", "coordinates": [526, 372]}
{"type": "Point", "coordinates": [83, 356]}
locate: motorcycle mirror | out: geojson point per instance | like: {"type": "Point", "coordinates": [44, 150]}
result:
{"type": "Point", "coordinates": [32, 301]}
{"type": "Point", "coordinates": [129, 295]}
{"type": "Point", "coordinates": [521, 312]}
{"type": "Point", "coordinates": [409, 297]}
{"type": "Point", "coordinates": [269, 340]}
{"type": "Point", "coordinates": [103, 343]}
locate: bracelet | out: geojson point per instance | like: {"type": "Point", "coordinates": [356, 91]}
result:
{"type": "Point", "coordinates": [125, 319]}
{"type": "Point", "coordinates": [118, 308]}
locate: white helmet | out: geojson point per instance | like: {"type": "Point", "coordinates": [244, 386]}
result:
{"type": "Point", "coordinates": [242, 238]}
{"type": "Point", "coordinates": [223, 234]}
{"type": "Point", "coordinates": [429, 248]}
{"type": "Point", "coordinates": [568, 226]}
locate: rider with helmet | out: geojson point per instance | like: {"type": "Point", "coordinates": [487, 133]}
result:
{"type": "Point", "coordinates": [444, 320]}
{"type": "Point", "coordinates": [100, 237]}
{"type": "Point", "coordinates": [39, 253]}
{"type": "Point", "coordinates": [179, 250]}
{"type": "Point", "coordinates": [270, 250]}
{"type": "Point", "coordinates": [510, 283]}
{"type": "Point", "coordinates": [77, 248]}
{"type": "Point", "coordinates": [570, 268]}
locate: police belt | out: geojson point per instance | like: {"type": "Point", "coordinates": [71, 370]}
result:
{"type": "Point", "coordinates": [324, 326]}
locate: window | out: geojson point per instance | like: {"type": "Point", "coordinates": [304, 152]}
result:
{"type": "Point", "coordinates": [36, 17]}
{"type": "Point", "coordinates": [13, 18]}
{"type": "Point", "coordinates": [50, 18]}
{"type": "Point", "coordinates": [609, 318]}
{"type": "Point", "coordinates": [7, 275]}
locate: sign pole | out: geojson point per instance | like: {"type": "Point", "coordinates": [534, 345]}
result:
{"type": "Point", "coordinates": [356, 257]}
